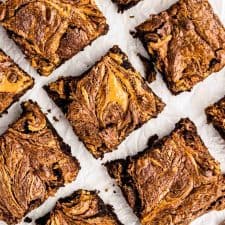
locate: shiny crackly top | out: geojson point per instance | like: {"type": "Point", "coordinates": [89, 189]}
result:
{"type": "Point", "coordinates": [174, 181]}
{"type": "Point", "coordinates": [186, 42]}
{"type": "Point", "coordinates": [82, 208]}
{"type": "Point", "coordinates": [50, 32]}
{"type": "Point", "coordinates": [216, 115]}
{"type": "Point", "coordinates": [34, 163]}
{"type": "Point", "coordinates": [13, 82]}
{"type": "Point", "coordinates": [106, 103]}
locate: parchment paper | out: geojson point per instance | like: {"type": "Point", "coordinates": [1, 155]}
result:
{"type": "Point", "coordinates": [93, 175]}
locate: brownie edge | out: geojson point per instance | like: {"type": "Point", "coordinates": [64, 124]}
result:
{"type": "Point", "coordinates": [216, 115]}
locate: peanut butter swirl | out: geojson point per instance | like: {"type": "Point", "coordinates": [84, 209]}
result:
{"type": "Point", "coordinates": [172, 182]}
{"type": "Point", "coordinates": [52, 31]}
{"type": "Point", "coordinates": [81, 208]}
{"type": "Point", "coordinates": [106, 103]}
{"type": "Point", "coordinates": [34, 163]}
{"type": "Point", "coordinates": [13, 82]}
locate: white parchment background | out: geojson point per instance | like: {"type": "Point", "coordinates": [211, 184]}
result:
{"type": "Point", "coordinates": [93, 175]}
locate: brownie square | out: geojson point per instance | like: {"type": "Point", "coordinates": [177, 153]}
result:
{"type": "Point", "coordinates": [186, 43]}
{"type": "Point", "coordinates": [172, 182]}
{"type": "Point", "coordinates": [82, 207]}
{"type": "Point", "coordinates": [51, 32]}
{"type": "Point", "coordinates": [14, 82]}
{"type": "Point", "coordinates": [216, 115]}
{"type": "Point", "coordinates": [106, 103]}
{"type": "Point", "coordinates": [34, 163]}
{"type": "Point", "coordinates": [125, 4]}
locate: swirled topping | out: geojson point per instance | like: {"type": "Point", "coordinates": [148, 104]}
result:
{"type": "Point", "coordinates": [105, 104]}
{"type": "Point", "coordinates": [82, 208]}
{"type": "Point", "coordinates": [216, 115]}
{"type": "Point", "coordinates": [50, 32]}
{"type": "Point", "coordinates": [174, 181]}
{"type": "Point", "coordinates": [34, 163]}
{"type": "Point", "coordinates": [186, 43]}
{"type": "Point", "coordinates": [13, 82]}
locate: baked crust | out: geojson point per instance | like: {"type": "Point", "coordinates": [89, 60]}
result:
{"type": "Point", "coordinates": [173, 181]}
{"type": "Point", "coordinates": [186, 43]}
{"type": "Point", "coordinates": [83, 207]}
{"type": "Point", "coordinates": [50, 32]}
{"type": "Point", "coordinates": [14, 82]}
{"type": "Point", "coordinates": [216, 115]}
{"type": "Point", "coordinates": [34, 163]}
{"type": "Point", "coordinates": [106, 103]}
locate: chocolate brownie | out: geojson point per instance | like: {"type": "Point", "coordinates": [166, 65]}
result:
{"type": "Point", "coordinates": [51, 32]}
{"type": "Point", "coordinates": [125, 4]}
{"type": "Point", "coordinates": [82, 207]}
{"type": "Point", "coordinates": [106, 103]}
{"type": "Point", "coordinates": [34, 163]}
{"type": "Point", "coordinates": [14, 82]}
{"type": "Point", "coordinates": [185, 42]}
{"type": "Point", "coordinates": [216, 115]}
{"type": "Point", "coordinates": [172, 182]}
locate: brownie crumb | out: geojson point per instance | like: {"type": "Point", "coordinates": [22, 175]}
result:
{"type": "Point", "coordinates": [27, 220]}
{"type": "Point", "coordinates": [55, 119]}
{"type": "Point", "coordinates": [133, 34]}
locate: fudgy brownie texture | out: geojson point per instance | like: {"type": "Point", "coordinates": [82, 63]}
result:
{"type": "Point", "coordinates": [173, 181]}
{"type": "Point", "coordinates": [34, 163]}
{"type": "Point", "coordinates": [125, 4]}
{"type": "Point", "coordinates": [216, 115]}
{"type": "Point", "coordinates": [106, 103]}
{"type": "Point", "coordinates": [186, 43]}
{"type": "Point", "coordinates": [83, 207]}
{"type": "Point", "coordinates": [14, 82]}
{"type": "Point", "coordinates": [50, 32]}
